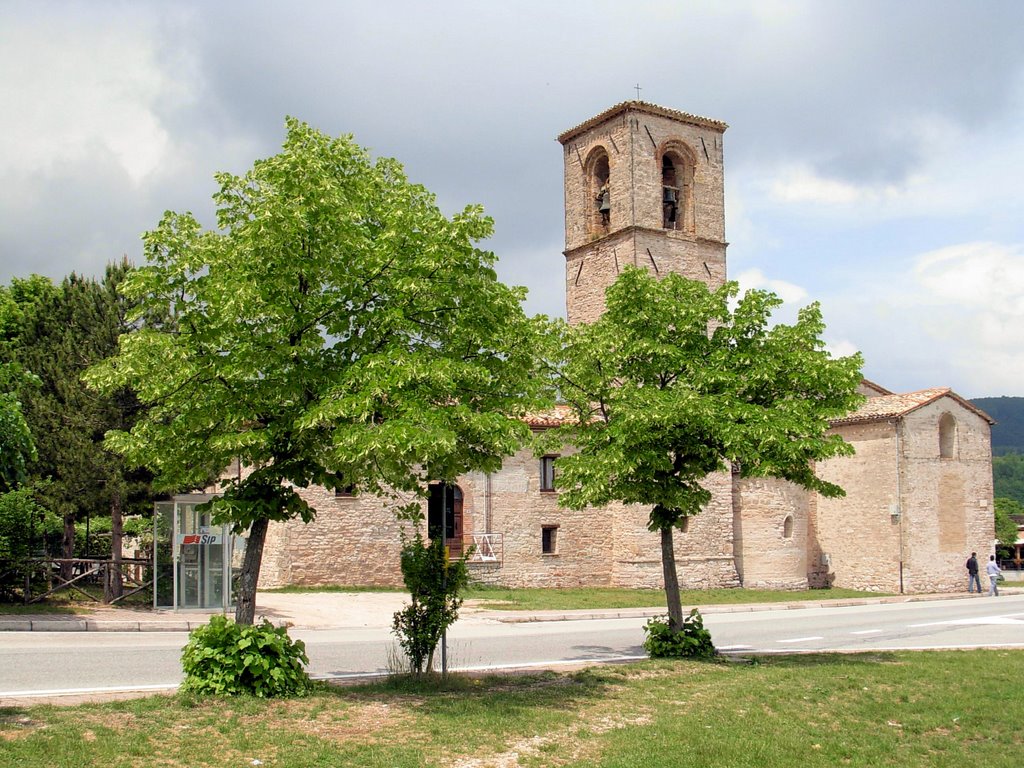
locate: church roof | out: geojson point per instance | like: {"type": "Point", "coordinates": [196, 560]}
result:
{"type": "Point", "coordinates": [878, 408]}
{"type": "Point", "coordinates": [553, 417]}
{"type": "Point", "coordinates": [893, 406]}
{"type": "Point", "coordinates": [642, 106]}
{"type": "Point", "coordinates": [873, 389]}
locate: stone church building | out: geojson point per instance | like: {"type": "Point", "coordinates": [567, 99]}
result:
{"type": "Point", "coordinates": [644, 186]}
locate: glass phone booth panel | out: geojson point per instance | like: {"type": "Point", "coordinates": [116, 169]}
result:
{"type": "Point", "coordinates": [192, 557]}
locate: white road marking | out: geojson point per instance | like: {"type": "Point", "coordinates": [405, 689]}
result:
{"type": "Point", "coordinates": [801, 639]}
{"type": "Point", "coordinates": [728, 648]}
{"type": "Point", "coordinates": [866, 632]}
{"type": "Point", "coordinates": [976, 621]}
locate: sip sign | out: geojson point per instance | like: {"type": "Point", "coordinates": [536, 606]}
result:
{"type": "Point", "coordinates": [198, 538]}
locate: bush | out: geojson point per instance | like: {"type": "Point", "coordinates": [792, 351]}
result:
{"type": "Point", "coordinates": [26, 530]}
{"type": "Point", "coordinates": [228, 659]}
{"type": "Point", "coordinates": [692, 641]}
{"type": "Point", "coordinates": [434, 582]}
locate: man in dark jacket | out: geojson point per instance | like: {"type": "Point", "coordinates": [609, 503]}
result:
{"type": "Point", "coordinates": [972, 573]}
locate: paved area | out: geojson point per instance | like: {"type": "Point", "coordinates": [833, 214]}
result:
{"type": "Point", "coordinates": [338, 610]}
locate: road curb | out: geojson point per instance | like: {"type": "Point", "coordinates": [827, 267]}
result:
{"type": "Point", "coordinates": [642, 613]}
{"type": "Point", "coordinates": [41, 623]}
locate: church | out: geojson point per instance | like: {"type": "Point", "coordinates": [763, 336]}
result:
{"type": "Point", "coordinates": [644, 186]}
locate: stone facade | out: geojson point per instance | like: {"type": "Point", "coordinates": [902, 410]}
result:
{"type": "Point", "coordinates": [918, 490]}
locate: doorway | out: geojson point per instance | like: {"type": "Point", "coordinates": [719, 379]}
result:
{"type": "Point", "coordinates": [444, 516]}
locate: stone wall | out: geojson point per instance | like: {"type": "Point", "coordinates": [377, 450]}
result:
{"type": "Point", "coordinates": [947, 502]}
{"type": "Point", "coordinates": [856, 538]}
{"type": "Point", "coordinates": [354, 540]}
{"type": "Point", "coordinates": [910, 517]}
{"type": "Point", "coordinates": [771, 534]}
{"type": "Point", "coordinates": [519, 512]}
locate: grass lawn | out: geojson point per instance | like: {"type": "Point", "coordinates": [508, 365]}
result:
{"type": "Point", "coordinates": [885, 709]}
{"type": "Point", "coordinates": [499, 598]}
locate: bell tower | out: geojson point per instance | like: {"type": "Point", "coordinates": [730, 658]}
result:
{"type": "Point", "coordinates": [644, 186]}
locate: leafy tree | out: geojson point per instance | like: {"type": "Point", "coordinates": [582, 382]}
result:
{"type": "Point", "coordinates": [1008, 476]}
{"type": "Point", "coordinates": [335, 329]}
{"type": "Point", "coordinates": [1006, 525]}
{"type": "Point", "coordinates": [17, 448]}
{"type": "Point", "coordinates": [19, 305]}
{"type": "Point", "coordinates": [669, 386]}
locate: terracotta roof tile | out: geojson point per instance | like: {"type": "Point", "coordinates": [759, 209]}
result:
{"type": "Point", "coordinates": [877, 408]}
{"type": "Point", "coordinates": [553, 417]}
{"type": "Point", "coordinates": [896, 405]}
{"type": "Point", "coordinates": [642, 106]}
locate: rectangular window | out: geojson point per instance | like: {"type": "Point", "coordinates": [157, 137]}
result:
{"type": "Point", "coordinates": [547, 473]}
{"type": "Point", "coordinates": [549, 539]}
{"type": "Point", "coordinates": [345, 493]}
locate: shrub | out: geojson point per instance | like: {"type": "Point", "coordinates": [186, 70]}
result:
{"type": "Point", "coordinates": [434, 581]}
{"type": "Point", "coordinates": [691, 641]}
{"type": "Point", "coordinates": [228, 659]}
{"type": "Point", "coordinates": [26, 530]}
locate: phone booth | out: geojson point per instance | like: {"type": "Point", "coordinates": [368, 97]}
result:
{"type": "Point", "coordinates": [194, 561]}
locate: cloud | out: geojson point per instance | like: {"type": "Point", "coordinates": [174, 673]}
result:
{"type": "Point", "coordinates": [802, 185]}
{"type": "Point", "coordinates": [755, 279]}
{"type": "Point", "coordinates": [76, 85]}
{"type": "Point", "coordinates": [952, 317]}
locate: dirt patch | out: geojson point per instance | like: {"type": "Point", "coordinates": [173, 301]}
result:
{"type": "Point", "coordinates": [359, 721]}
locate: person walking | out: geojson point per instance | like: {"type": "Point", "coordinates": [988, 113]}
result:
{"type": "Point", "coordinates": [992, 569]}
{"type": "Point", "coordinates": [973, 580]}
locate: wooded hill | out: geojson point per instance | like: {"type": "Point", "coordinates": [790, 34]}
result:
{"type": "Point", "coordinates": [1007, 445]}
{"type": "Point", "coordinates": [1008, 433]}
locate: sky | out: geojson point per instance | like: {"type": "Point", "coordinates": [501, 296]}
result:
{"type": "Point", "coordinates": [873, 159]}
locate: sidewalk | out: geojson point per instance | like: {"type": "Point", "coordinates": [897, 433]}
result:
{"type": "Point", "coordinates": [347, 610]}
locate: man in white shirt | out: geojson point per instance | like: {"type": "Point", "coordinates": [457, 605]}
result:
{"type": "Point", "coordinates": [992, 569]}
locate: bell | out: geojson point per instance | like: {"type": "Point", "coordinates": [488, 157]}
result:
{"type": "Point", "coordinates": [670, 195]}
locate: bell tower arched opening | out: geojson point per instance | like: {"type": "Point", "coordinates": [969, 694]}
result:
{"type": "Point", "coordinates": [677, 164]}
{"type": "Point", "coordinates": [598, 191]}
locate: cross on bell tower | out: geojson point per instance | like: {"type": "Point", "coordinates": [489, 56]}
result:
{"type": "Point", "coordinates": [644, 186]}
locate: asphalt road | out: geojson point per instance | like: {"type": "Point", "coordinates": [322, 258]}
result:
{"type": "Point", "coordinates": [48, 663]}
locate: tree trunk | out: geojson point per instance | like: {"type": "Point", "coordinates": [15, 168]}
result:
{"type": "Point", "coordinates": [668, 567]}
{"type": "Point", "coordinates": [245, 608]}
{"type": "Point", "coordinates": [116, 537]}
{"type": "Point", "coordinates": [67, 548]}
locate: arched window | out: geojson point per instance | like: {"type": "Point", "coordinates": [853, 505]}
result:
{"type": "Point", "coordinates": [599, 195]}
{"type": "Point", "coordinates": [787, 527]}
{"type": "Point", "coordinates": [947, 436]}
{"type": "Point", "coordinates": [677, 163]}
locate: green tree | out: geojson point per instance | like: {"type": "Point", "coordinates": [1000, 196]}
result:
{"type": "Point", "coordinates": [19, 304]}
{"type": "Point", "coordinates": [17, 448]}
{"type": "Point", "coordinates": [60, 333]}
{"type": "Point", "coordinates": [670, 385]}
{"type": "Point", "coordinates": [335, 329]}
{"type": "Point", "coordinates": [1006, 526]}
{"type": "Point", "coordinates": [1008, 476]}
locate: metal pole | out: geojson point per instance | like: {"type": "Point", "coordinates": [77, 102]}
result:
{"type": "Point", "coordinates": [444, 580]}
